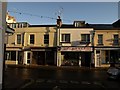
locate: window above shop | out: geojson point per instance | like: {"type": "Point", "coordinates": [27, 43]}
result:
{"type": "Point", "coordinates": [32, 38]}
{"type": "Point", "coordinates": [116, 39]}
{"type": "Point", "coordinates": [100, 39]}
{"type": "Point", "coordinates": [46, 39]}
{"type": "Point", "coordinates": [65, 38]}
{"type": "Point", "coordinates": [85, 38]}
{"type": "Point", "coordinates": [19, 38]}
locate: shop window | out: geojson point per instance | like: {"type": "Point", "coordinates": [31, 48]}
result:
{"type": "Point", "coordinates": [71, 56]}
{"type": "Point", "coordinates": [66, 38]}
{"type": "Point", "coordinates": [10, 55]}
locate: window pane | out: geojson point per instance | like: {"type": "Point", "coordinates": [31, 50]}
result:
{"type": "Point", "coordinates": [65, 37]}
{"type": "Point", "coordinates": [85, 37]}
{"type": "Point", "coordinates": [116, 37]}
{"type": "Point", "coordinates": [19, 39]}
{"type": "Point", "coordinates": [31, 39]}
{"type": "Point", "coordinates": [100, 39]}
{"type": "Point", "coordinates": [13, 55]}
{"type": "Point", "coordinates": [28, 56]}
{"type": "Point", "coordinates": [46, 39]}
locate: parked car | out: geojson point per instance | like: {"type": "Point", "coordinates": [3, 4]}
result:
{"type": "Point", "coordinates": [114, 73]}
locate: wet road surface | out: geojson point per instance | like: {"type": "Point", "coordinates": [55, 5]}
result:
{"type": "Point", "coordinates": [54, 79]}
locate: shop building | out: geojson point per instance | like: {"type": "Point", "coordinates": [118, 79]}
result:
{"type": "Point", "coordinates": [32, 44]}
{"type": "Point", "coordinates": [106, 45]}
{"type": "Point", "coordinates": [75, 44]}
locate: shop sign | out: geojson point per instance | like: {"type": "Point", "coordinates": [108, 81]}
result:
{"type": "Point", "coordinates": [76, 49]}
{"type": "Point", "coordinates": [107, 48]}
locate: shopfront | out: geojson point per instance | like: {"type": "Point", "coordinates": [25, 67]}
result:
{"type": "Point", "coordinates": [78, 56]}
{"type": "Point", "coordinates": [44, 56]}
{"type": "Point", "coordinates": [104, 57]}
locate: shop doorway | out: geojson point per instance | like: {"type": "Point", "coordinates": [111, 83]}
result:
{"type": "Point", "coordinates": [44, 58]}
{"type": "Point", "coordinates": [85, 59]}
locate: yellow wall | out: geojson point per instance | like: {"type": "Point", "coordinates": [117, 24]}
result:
{"type": "Point", "coordinates": [107, 36]}
{"type": "Point", "coordinates": [39, 36]}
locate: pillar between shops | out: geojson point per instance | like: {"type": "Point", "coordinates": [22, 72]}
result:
{"type": "Point", "coordinates": [25, 58]}
{"type": "Point", "coordinates": [59, 58]}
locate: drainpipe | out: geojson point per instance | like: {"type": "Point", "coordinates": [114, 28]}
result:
{"type": "Point", "coordinates": [93, 48]}
{"type": "Point", "coordinates": [59, 23]}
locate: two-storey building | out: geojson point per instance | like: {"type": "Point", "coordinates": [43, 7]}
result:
{"type": "Point", "coordinates": [32, 44]}
{"type": "Point", "coordinates": [106, 45]}
{"type": "Point", "coordinates": [75, 44]}
{"type": "Point", "coordinates": [71, 44]}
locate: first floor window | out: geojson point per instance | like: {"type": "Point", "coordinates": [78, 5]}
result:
{"type": "Point", "coordinates": [85, 37]}
{"type": "Point", "coordinates": [32, 39]}
{"type": "Point", "coordinates": [100, 39]}
{"type": "Point", "coordinates": [19, 40]}
{"type": "Point", "coordinates": [46, 39]}
{"type": "Point", "coordinates": [116, 39]}
{"type": "Point", "coordinates": [65, 37]}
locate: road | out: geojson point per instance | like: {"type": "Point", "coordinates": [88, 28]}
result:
{"type": "Point", "coordinates": [57, 79]}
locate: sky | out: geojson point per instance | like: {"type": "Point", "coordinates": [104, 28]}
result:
{"type": "Point", "coordinates": [47, 12]}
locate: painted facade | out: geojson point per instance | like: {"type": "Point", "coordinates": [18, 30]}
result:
{"type": "Point", "coordinates": [107, 46]}
{"type": "Point", "coordinates": [32, 44]}
{"type": "Point", "coordinates": [75, 45]}
{"type": "Point", "coordinates": [79, 44]}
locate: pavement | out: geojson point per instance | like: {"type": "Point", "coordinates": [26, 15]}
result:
{"type": "Point", "coordinates": [21, 82]}
{"type": "Point", "coordinates": [57, 67]}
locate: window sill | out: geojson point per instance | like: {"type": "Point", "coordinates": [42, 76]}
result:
{"type": "Point", "coordinates": [65, 42]}
{"type": "Point", "coordinates": [115, 44]}
{"type": "Point", "coordinates": [100, 44]}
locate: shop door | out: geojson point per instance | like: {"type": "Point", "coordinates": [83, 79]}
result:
{"type": "Point", "coordinates": [87, 59]}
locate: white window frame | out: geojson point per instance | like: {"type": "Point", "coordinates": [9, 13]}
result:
{"type": "Point", "coordinates": [65, 38]}
{"type": "Point", "coordinates": [17, 39]}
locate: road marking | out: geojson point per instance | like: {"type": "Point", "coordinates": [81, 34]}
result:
{"type": "Point", "coordinates": [98, 83]}
{"type": "Point", "coordinates": [85, 82]}
{"type": "Point", "coordinates": [56, 88]}
{"type": "Point", "coordinates": [50, 81]}
{"type": "Point", "coordinates": [40, 81]}
{"type": "Point", "coordinates": [74, 82]}
{"type": "Point", "coordinates": [27, 84]}
{"type": "Point", "coordinates": [63, 81]}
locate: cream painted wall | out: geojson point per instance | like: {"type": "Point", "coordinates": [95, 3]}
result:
{"type": "Point", "coordinates": [39, 36]}
{"type": "Point", "coordinates": [75, 35]}
{"type": "Point", "coordinates": [107, 36]}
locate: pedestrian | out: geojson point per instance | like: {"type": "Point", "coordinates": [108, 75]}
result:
{"type": "Point", "coordinates": [80, 61]}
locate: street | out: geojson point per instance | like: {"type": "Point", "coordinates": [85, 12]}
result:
{"type": "Point", "coordinates": [57, 79]}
